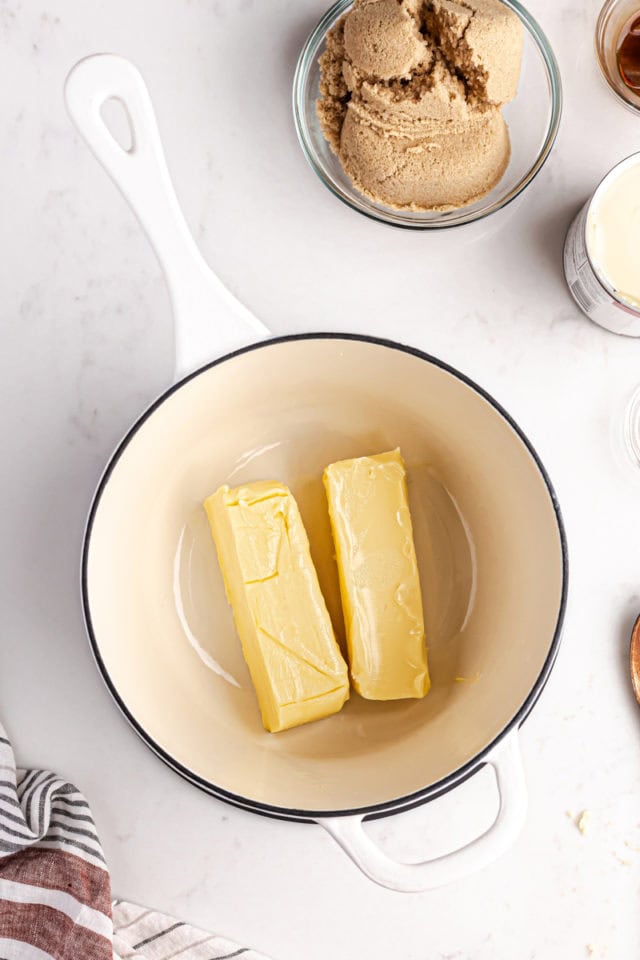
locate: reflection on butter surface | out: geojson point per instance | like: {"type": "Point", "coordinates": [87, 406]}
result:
{"type": "Point", "coordinates": [280, 614]}
{"type": "Point", "coordinates": [379, 578]}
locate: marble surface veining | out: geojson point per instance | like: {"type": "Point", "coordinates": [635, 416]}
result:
{"type": "Point", "coordinates": [87, 342]}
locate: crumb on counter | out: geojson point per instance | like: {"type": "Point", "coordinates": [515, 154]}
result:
{"type": "Point", "coordinates": [583, 822]}
{"type": "Point", "coordinates": [622, 860]}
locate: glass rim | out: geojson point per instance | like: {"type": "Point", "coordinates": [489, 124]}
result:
{"type": "Point", "coordinates": [630, 423]}
{"type": "Point", "coordinates": [392, 217]}
{"type": "Point", "coordinates": [623, 93]}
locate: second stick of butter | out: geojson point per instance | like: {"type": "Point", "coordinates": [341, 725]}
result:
{"type": "Point", "coordinates": [379, 579]}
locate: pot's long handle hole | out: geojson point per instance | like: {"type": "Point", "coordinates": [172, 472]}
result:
{"type": "Point", "coordinates": [417, 877]}
{"type": "Point", "coordinates": [208, 319]}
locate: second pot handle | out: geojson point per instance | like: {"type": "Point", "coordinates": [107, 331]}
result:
{"type": "Point", "coordinates": [209, 321]}
{"type": "Point", "coordinates": [416, 877]}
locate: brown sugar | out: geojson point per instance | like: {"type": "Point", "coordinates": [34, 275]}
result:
{"type": "Point", "coordinates": [411, 94]}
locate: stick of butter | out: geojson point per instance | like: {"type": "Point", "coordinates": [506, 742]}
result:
{"type": "Point", "coordinates": [287, 638]}
{"type": "Point", "coordinates": [379, 579]}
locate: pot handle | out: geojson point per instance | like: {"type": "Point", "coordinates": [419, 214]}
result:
{"type": "Point", "coordinates": [208, 319]}
{"type": "Point", "coordinates": [416, 877]}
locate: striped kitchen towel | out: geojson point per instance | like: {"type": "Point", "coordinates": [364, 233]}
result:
{"type": "Point", "coordinates": [140, 934]}
{"type": "Point", "coordinates": [55, 895]}
{"type": "Point", "coordinates": [55, 891]}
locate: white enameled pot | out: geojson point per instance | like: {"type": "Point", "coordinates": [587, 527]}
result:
{"type": "Point", "coordinates": [488, 531]}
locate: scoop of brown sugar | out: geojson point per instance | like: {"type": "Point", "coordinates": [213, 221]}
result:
{"type": "Point", "coordinates": [411, 94]}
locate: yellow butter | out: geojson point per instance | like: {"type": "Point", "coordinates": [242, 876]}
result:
{"type": "Point", "coordinates": [287, 638]}
{"type": "Point", "coordinates": [379, 580]}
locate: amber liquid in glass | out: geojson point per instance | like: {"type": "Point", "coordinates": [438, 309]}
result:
{"type": "Point", "coordinates": [628, 53]}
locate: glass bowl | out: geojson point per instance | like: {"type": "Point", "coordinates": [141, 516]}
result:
{"type": "Point", "coordinates": [533, 119]}
{"type": "Point", "coordinates": [614, 16]}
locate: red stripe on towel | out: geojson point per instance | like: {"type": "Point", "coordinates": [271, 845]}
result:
{"type": "Point", "coordinates": [59, 870]}
{"type": "Point", "coordinates": [51, 931]}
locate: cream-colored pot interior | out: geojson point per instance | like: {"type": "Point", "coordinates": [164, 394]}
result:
{"type": "Point", "coordinates": [489, 548]}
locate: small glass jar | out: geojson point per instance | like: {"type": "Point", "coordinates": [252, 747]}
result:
{"type": "Point", "coordinates": [614, 17]}
{"type": "Point", "coordinates": [624, 435]}
{"type": "Point", "coordinates": [631, 428]}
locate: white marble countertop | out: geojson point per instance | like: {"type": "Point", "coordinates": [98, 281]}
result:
{"type": "Point", "coordinates": [87, 342]}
